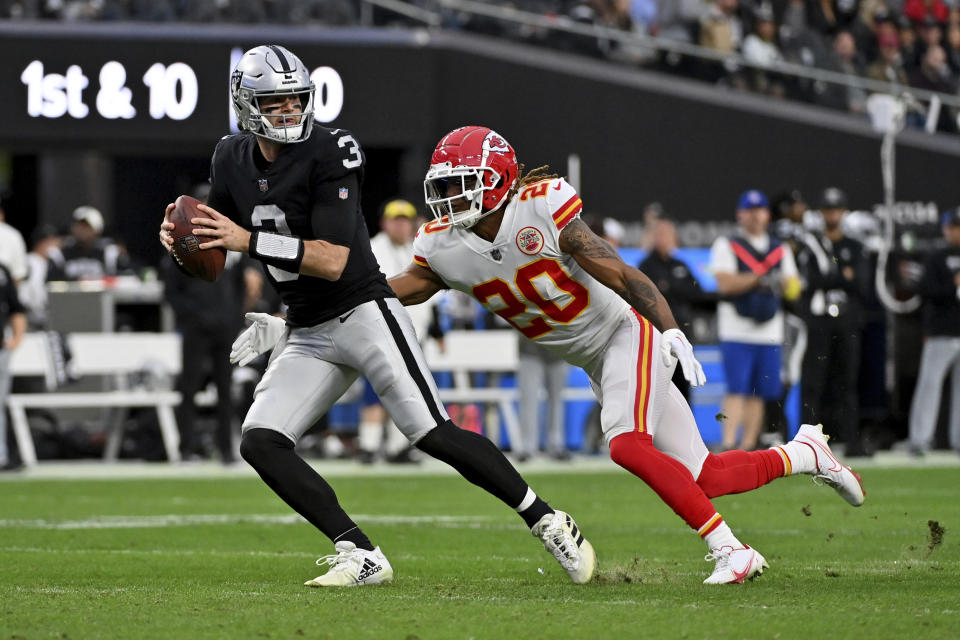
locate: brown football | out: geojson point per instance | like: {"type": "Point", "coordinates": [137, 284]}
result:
{"type": "Point", "coordinates": [201, 263]}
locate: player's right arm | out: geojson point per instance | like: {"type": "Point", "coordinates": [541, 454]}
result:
{"type": "Point", "coordinates": [416, 284]}
{"type": "Point", "coordinates": [603, 262]}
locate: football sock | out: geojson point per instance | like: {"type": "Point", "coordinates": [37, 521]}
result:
{"type": "Point", "coordinates": [480, 462]}
{"type": "Point", "coordinates": [739, 471]}
{"type": "Point", "coordinates": [668, 478]}
{"type": "Point", "coordinates": [357, 537]}
{"type": "Point", "coordinates": [533, 508]}
{"type": "Point", "coordinates": [271, 454]}
{"type": "Point", "coordinates": [797, 458]}
{"type": "Point", "coordinates": [719, 534]}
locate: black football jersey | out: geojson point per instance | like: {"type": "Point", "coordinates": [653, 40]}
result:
{"type": "Point", "coordinates": [312, 192]}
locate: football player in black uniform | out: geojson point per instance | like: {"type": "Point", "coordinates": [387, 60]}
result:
{"type": "Point", "coordinates": [288, 193]}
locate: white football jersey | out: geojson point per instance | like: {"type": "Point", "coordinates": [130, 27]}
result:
{"type": "Point", "coordinates": [524, 277]}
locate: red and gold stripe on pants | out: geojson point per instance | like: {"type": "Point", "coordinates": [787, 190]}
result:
{"type": "Point", "coordinates": [644, 388]}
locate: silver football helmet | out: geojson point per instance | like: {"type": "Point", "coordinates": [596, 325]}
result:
{"type": "Point", "coordinates": [266, 71]}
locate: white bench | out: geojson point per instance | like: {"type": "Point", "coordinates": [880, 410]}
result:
{"type": "Point", "coordinates": [104, 354]}
{"type": "Point", "coordinates": [491, 351]}
{"type": "Point", "coordinates": [121, 354]}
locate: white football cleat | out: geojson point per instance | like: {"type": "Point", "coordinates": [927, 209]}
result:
{"type": "Point", "coordinates": [353, 567]}
{"type": "Point", "coordinates": [735, 565]}
{"type": "Point", "coordinates": [562, 538]}
{"type": "Point", "coordinates": [829, 468]}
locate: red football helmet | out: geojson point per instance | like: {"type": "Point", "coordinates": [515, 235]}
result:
{"type": "Point", "coordinates": [484, 165]}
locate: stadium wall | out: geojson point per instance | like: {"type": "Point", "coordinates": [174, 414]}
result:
{"type": "Point", "coordinates": [124, 90]}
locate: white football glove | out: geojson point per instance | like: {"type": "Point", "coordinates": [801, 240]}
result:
{"type": "Point", "coordinates": [675, 346]}
{"type": "Point", "coordinates": [262, 335]}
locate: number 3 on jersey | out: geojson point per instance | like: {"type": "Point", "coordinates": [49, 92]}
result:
{"type": "Point", "coordinates": [514, 306]}
{"type": "Point", "coordinates": [355, 159]}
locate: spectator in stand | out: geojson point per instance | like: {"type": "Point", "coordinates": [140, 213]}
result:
{"type": "Point", "coordinates": [845, 59]}
{"type": "Point", "coordinates": [760, 48]}
{"type": "Point", "coordinates": [830, 17]}
{"type": "Point", "coordinates": [85, 254]}
{"type": "Point", "coordinates": [919, 10]}
{"type": "Point", "coordinates": [940, 289]}
{"type": "Point", "coordinates": [721, 30]}
{"type": "Point", "coordinates": [934, 75]}
{"type": "Point", "coordinates": [878, 22]}
{"type": "Point", "coordinates": [888, 67]}
{"type": "Point", "coordinates": [677, 19]}
{"type": "Point", "coordinates": [952, 48]}
{"type": "Point", "coordinates": [835, 273]}
{"type": "Point", "coordinates": [930, 34]}
{"type": "Point", "coordinates": [754, 272]}
{"type": "Point", "coordinates": [908, 42]}
{"type": "Point", "coordinates": [676, 282]}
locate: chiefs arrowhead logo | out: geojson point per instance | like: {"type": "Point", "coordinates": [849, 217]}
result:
{"type": "Point", "coordinates": [530, 241]}
{"type": "Point", "coordinates": [493, 142]}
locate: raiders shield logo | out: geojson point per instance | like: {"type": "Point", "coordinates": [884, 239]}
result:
{"type": "Point", "coordinates": [530, 241]}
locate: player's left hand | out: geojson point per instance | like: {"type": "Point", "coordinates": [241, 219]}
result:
{"type": "Point", "coordinates": [674, 345]}
{"type": "Point", "coordinates": [223, 231]}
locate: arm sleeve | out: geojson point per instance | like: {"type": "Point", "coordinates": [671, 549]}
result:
{"type": "Point", "coordinates": [336, 210]}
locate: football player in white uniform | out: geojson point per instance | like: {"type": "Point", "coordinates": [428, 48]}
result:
{"type": "Point", "coordinates": [517, 245]}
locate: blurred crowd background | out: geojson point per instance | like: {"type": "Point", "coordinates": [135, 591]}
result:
{"type": "Point", "coordinates": [869, 308]}
{"type": "Point", "coordinates": [742, 44]}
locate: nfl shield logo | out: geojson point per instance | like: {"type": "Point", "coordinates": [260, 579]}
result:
{"type": "Point", "coordinates": [344, 193]}
{"type": "Point", "coordinates": [495, 254]}
{"type": "Point", "coordinates": [262, 183]}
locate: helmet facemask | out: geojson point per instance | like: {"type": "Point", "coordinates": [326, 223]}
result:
{"type": "Point", "coordinates": [285, 133]}
{"type": "Point", "coordinates": [473, 183]}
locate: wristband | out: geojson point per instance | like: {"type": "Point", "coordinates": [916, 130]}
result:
{"type": "Point", "coordinates": [283, 252]}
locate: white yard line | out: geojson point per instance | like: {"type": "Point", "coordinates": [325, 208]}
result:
{"type": "Point", "coordinates": [186, 520]}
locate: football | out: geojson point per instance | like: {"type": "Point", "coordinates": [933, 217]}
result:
{"type": "Point", "coordinates": [206, 264]}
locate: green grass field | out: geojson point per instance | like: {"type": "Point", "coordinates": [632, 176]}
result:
{"type": "Point", "coordinates": [222, 557]}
